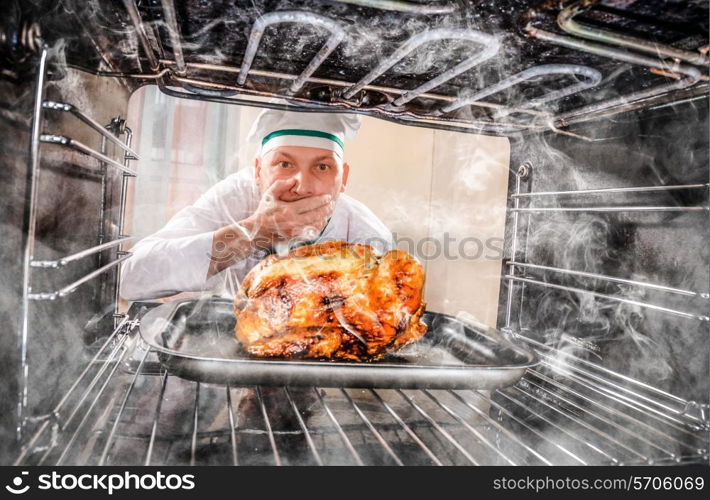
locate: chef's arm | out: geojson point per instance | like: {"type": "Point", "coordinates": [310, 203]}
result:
{"type": "Point", "coordinates": [274, 220]}
{"type": "Point", "coordinates": [231, 244]}
{"type": "Point", "coordinates": [177, 257]}
{"type": "Point", "coordinates": [196, 244]}
{"type": "Point", "coordinates": [162, 266]}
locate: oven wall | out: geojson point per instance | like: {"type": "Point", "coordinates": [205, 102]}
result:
{"type": "Point", "coordinates": [663, 146]}
{"type": "Point", "coordinates": [70, 217]}
{"type": "Point", "coordinates": [15, 113]}
{"type": "Point", "coordinates": [443, 194]}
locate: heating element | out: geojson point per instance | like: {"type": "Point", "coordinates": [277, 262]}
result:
{"type": "Point", "coordinates": [581, 405]}
{"type": "Point", "coordinates": [171, 48]}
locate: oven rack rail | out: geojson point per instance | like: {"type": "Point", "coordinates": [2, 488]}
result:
{"type": "Point", "coordinates": [520, 273]}
{"type": "Point", "coordinates": [121, 410]}
{"type": "Point", "coordinates": [621, 388]}
{"type": "Point", "coordinates": [699, 298]}
{"type": "Point", "coordinates": [109, 133]}
{"type": "Point", "coordinates": [178, 77]}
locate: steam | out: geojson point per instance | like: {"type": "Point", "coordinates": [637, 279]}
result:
{"type": "Point", "coordinates": [653, 347]}
{"type": "Point", "coordinates": [629, 245]}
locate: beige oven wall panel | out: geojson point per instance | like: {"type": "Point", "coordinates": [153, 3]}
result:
{"type": "Point", "coordinates": [468, 200]}
{"type": "Point", "coordinates": [390, 172]}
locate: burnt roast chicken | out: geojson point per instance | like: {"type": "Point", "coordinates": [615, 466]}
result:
{"type": "Point", "coordinates": [335, 300]}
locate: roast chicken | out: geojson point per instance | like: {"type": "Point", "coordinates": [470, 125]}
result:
{"type": "Point", "coordinates": [332, 300]}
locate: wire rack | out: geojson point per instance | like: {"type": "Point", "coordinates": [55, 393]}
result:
{"type": "Point", "coordinates": [124, 409]}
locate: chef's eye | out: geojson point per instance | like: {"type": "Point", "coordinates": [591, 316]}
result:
{"type": "Point", "coordinates": [323, 167]}
{"type": "Point", "coordinates": [283, 164]}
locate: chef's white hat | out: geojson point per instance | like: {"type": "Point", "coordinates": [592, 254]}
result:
{"type": "Point", "coordinates": [274, 128]}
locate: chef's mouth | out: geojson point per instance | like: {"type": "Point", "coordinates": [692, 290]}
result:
{"type": "Point", "coordinates": [297, 198]}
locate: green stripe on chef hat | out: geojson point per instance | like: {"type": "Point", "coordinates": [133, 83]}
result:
{"type": "Point", "coordinates": [304, 133]}
{"type": "Point", "coordinates": [274, 128]}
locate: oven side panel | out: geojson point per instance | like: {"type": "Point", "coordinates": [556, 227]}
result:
{"type": "Point", "coordinates": [15, 113]}
{"type": "Point", "coordinates": [656, 237]}
{"type": "Point", "coordinates": [77, 207]}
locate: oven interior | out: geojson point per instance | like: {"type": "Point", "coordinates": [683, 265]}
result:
{"type": "Point", "coordinates": [605, 273]}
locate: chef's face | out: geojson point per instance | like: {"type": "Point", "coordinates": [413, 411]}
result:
{"type": "Point", "coordinates": [317, 171]}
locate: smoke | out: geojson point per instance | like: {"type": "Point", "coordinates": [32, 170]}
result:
{"type": "Point", "coordinates": [655, 347]}
{"type": "Point", "coordinates": [667, 248]}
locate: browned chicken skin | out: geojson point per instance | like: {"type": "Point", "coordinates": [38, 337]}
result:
{"type": "Point", "coordinates": [335, 300]}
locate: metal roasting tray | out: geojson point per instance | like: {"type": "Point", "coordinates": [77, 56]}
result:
{"type": "Point", "coordinates": [194, 339]}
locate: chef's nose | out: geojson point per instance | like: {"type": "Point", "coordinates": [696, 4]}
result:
{"type": "Point", "coordinates": [304, 184]}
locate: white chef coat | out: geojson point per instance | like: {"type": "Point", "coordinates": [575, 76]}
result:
{"type": "Point", "coordinates": [176, 258]}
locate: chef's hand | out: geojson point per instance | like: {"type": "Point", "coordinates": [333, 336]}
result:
{"type": "Point", "coordinates": [276, 220]}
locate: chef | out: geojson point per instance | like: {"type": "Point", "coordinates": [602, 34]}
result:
{"type": "Point", "coordinates": [293, 195]}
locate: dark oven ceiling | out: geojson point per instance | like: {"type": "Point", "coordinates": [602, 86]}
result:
{"type": "Point", "coordinates": [498, 66]}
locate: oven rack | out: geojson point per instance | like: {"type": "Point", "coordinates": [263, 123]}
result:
{"type": "Point", "coordinates": [621, 388]}
{"type": "Point", "coordinates": [109, 133]}
{"type": "Point", "coordinates": [123, 408]}
{"type": "Point", "coordinates": [179, 77]}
